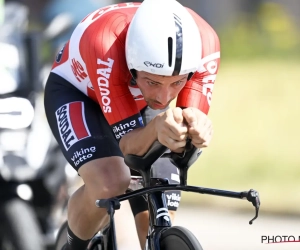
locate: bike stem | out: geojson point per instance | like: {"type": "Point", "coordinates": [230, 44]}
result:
{"type": "Point", "coordinates": [111, 205]}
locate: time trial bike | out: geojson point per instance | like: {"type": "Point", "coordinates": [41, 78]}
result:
{"type": "Point", "coordinates": [162, 235]}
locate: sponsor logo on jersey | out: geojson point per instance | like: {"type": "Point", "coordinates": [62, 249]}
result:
{"type": "Point", "coordinates": [127, 125]}
{"type": "Point", "coordinates": [210, 65]}
{"type": "Point", "coordinates": [103, 71]}
{"type": "Point", "coordinates": [82, 155]}
{"type": "Point", "coordinates": [60, 54]}
{"type": "Point", "coordinates": [141, 121]}
{"type": "Point", "coordinates": [78, 70]}
{"type": "Point", "coordinates": [71, 123]}
{"type": "Point", "coordinates": [123, 128]}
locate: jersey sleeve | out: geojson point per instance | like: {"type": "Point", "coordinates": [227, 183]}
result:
{"type": "Point", "coordinates": [102, 48]}
{"type": "Point", "coordinates": [198, 90]}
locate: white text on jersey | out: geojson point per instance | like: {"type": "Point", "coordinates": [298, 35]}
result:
{"type": "Point", "coordinates": [210, 65]}
{"type": "Point", "coordinates": [103, 83]}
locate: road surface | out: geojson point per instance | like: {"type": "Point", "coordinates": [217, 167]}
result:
{"type": "Point", "coordinates": [220, 230]}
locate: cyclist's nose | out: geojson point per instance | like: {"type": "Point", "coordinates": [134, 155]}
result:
{"type": "Point", "coordinates": [163, 96]}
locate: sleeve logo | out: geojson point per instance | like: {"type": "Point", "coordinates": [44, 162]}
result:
{"type": "Point", "coordinates": [78, 70]}
{"type": "Point", "coordinates": [210, 65]}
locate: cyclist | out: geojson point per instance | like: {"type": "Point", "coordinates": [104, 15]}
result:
{"type": "Point", "coordinates": [108, 95]}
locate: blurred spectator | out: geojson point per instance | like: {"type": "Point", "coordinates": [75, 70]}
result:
{"type": "Point", "coordinates": [77, 9]}
{"type": "Point", "coordinates": [35, 7]}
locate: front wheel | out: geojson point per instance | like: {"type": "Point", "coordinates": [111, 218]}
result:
{"type": "Point", "coordinates": [179, 238]}
{"type": "Point", "coordinates": [19, 228]}
{"type": "Point", "coordinates": [62, 236]}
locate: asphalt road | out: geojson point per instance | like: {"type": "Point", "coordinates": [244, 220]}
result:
{"type": "Point", "coordinates": [220, 230]}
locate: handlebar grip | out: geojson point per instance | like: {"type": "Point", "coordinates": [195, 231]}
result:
{"type": "Point", "coordinates": [101, 203]}
{"type": "Point", "coordinates": [108, 203]}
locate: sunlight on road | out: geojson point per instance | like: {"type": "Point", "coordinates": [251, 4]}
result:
{"type": "Point", "coordinates": [220, 230]}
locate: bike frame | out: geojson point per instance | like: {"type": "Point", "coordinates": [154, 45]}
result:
{"type": "Point", "coordinates": [154, 192]}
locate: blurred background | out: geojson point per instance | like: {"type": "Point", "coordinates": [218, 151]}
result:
{"type": "Point", "coordinates": [255, 105]}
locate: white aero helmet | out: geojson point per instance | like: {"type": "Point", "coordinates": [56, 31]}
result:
{"type": "Point", "coordinates": [163, 39]}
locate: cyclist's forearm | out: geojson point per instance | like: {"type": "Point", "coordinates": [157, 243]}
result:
{"type": "Point", "coordinates": [139, 140]}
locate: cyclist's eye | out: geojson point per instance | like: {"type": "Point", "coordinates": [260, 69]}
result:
{"type": "Point", "coordinates": [177, 83]}
{"type": "Point", "coordinates": [152, 83]}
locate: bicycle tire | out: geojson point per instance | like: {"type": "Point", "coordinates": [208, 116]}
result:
{"type": "Point", "coordinates": [19, 227]}
{"type": "Point", "coordinates": [179, 238]}
{"type": "Point", "coordinates": [61, 237]}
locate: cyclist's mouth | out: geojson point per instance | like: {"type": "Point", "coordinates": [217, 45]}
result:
{"type": "Point", "coordinates": [156, 105]}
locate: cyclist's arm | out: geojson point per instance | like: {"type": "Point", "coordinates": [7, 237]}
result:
{"type": "Point", "coordinates": [167, 127]}
{"type": "Point", "coordinates": [138, 141]}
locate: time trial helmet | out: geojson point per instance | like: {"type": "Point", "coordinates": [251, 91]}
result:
{"type": "Point", "coordinates": [163, 39]}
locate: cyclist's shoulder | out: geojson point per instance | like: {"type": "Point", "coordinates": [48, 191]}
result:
{"type": "Point", "coordinates": [108, 24]}
{"type": "Point", "coordinates": [209, 38]}
{"type": "Point", "coordinates": [203, 25]}
{"type": "Point", "coordinates": [116, 13]}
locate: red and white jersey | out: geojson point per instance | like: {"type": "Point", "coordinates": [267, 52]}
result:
{"type": "Point", "coordinates": [93, 60]}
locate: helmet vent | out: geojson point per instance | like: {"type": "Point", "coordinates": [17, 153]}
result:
{"type": "Point", "coordinates": [170, 49]}
{"type": "Point", "coordinates": [179, 46]}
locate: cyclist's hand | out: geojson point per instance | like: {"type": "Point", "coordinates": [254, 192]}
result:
{"type": "Point", "coordinates": [199, 127]}
{"type": "Point", "coordinates": [171, 130]}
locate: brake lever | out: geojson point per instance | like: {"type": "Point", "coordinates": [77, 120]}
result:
{"type": "Point", "coordinates": [253, 197]}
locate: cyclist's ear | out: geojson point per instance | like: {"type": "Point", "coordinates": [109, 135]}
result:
{"type": "Point", "coordinates": [133, 72]}
{"type": "Point", "coordinates": [190, 75]}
